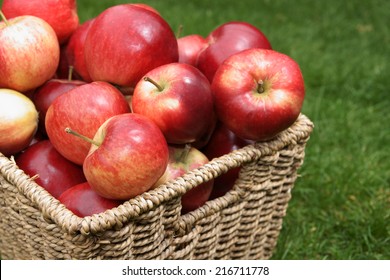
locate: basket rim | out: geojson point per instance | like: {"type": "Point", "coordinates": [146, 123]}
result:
{"type": "Point", "coordinates": [55, 212]}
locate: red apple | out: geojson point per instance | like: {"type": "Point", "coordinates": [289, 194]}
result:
{"type": "Point", "coordinates": [60, 14]}
{"type": "Point", "coordinates": [202, 141]}
{"type": "Point", "coordinates": [189, 48]}
{"type": "Point", "coordinates": [227, 39]}
{"type": "Point", "coordinates": [29, 53]}
{"type": "Point", "coordinates": [73, 54]}
{"type": "Point", "coordinates": [128, 155]}
{"type": "Point", "coordinates": [18, 121]}
{"type": "Point", "coordinates": [47, 93]}
{"type": "Point", "coordinates": [181, 160]}
{"type": "Point", "coordinates": [258, 93]}
{"type": "Point", "coordinates": [145, 6]}
{"type": "Point", "coordinates": [63, 65]}
{"type": "Point", "coordinates": [84, 109]}
{"type": "Point", "coordinates": [55, 173]}
{"type": "Point", "coordinates": [125, 42]}
{"type": "Point", "coordinates": [178, 98]}
{"type": "Point", "coordinates": [83, 201]}
{"type": "Point", "coordinates": [222, 142]}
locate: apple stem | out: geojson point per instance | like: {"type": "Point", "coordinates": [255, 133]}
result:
{"type": "Point", "coordinates": [260, 86]}
{"type": "Point", "coordinates": [160, 88]}
{"type": "Point", "coordinates": [4, 18]}
{"type": "Point", "coordinates": [185, 152]}
{"type": "Point", "coordinates": [70, 72]}
{"type": "Point", "coordinates": [85, 138]}
{"type": "Point", "coordinates": [179, 31]}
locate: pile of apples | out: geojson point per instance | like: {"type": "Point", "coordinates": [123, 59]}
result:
{"type": "Point", "coordinates": [103, 111]}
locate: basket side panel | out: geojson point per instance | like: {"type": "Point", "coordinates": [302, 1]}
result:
{"type": "Point", "coordinates": [284, 174]}
{"type": "Point", "coordinates": [28, 234]}
{"type": "Point", "coordinates": [153, 233]}
{"type": "Point", "coordinates": [246, 222]}
{"type": "Point", "coordinates": [19, 236]}
{"type": "Point", "coordinates": [255, 181]}
{"type": "Point", "coordinates": [284, 177]}
{"type": "Point", "coordinates": [228, 226]}
{"type": "Point", "coordinates": [145, 237]}
{"type": "Point", "coordinates": [206, 233]}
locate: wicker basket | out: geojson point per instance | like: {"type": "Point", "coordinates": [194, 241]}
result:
{"type": "Point", "coordinates": [243, 224]}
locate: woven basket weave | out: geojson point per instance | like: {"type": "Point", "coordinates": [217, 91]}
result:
{"type": "Point", "coordinates": [243, 224]}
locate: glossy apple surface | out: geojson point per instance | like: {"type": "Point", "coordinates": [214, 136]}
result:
{"type": "Point", "coordinates": [189, 48]}
{"type": "Point", "coordinates": [83, 109]}
{"type": "Point", "coordinates": [125, 42]}
{"type": "Point", "coordinates": [222, 142]}
{"type": "Point", "coordinates": [130, 155]}
{"type": "Point", "coordinates": [226, 40]}
{"type": "Point", "coordinates": [55, 173]}
{"type": "Point", "coordinates": [73, 53]}
{"type": "Point", "coordinates": [18, 121]}
{"type": "Point", "coordinates": [60, 14]}
{"type": "Point", "coordinates": [181, 104]}
{"type": "Point", "coordinates": [44, 96]}
{"type": "Point", "coordinates": [29, 53]}
{"type": "Point", "coordinates": [83, 201]}
{"type": "Point", "coordinates": [258, 93]}
{"type": "Point", "coordinates": [181, 160]}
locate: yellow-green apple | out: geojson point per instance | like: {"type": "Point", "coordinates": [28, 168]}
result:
{"type": "Point", "coordinates": [73, 53]}
{"type": "Point", "coordinates": [60, 14]}
{"type": "Point", "coordinates": [222, 142]}
{"type": "Point", "coordinates": [127, 156]}
{"type": "Point", "coordinates": [83, 108]}
{"type": "Point", "coordinates": [258, 93]}
{"type": "Point", "coordinates": [83, 201]}
{"type": "Point", "coordinates": [178, 98]}
{"type": "Point", "coordinates": [29, 52]}
{"type": "Point", "coordinates": [227, 39]}
{"type": "Point", "coordinates": [47, 93]}
{"type": "Point", "coordinates": [55, 173]}
{"type": "Point", "coordinates": [18, 121]}
{"type": "Point", "coordinates": [189, 48]}
{"type": "Point", "coordinates": [181, 160]}
{"type": "Point", "coordinates": [125, 42]}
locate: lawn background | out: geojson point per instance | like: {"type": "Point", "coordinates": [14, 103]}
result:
{"type": "Point", "coordinates": [340, 207]}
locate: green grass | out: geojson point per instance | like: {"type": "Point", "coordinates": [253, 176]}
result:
{"type": "Point", "coordinates": [340, 207]}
